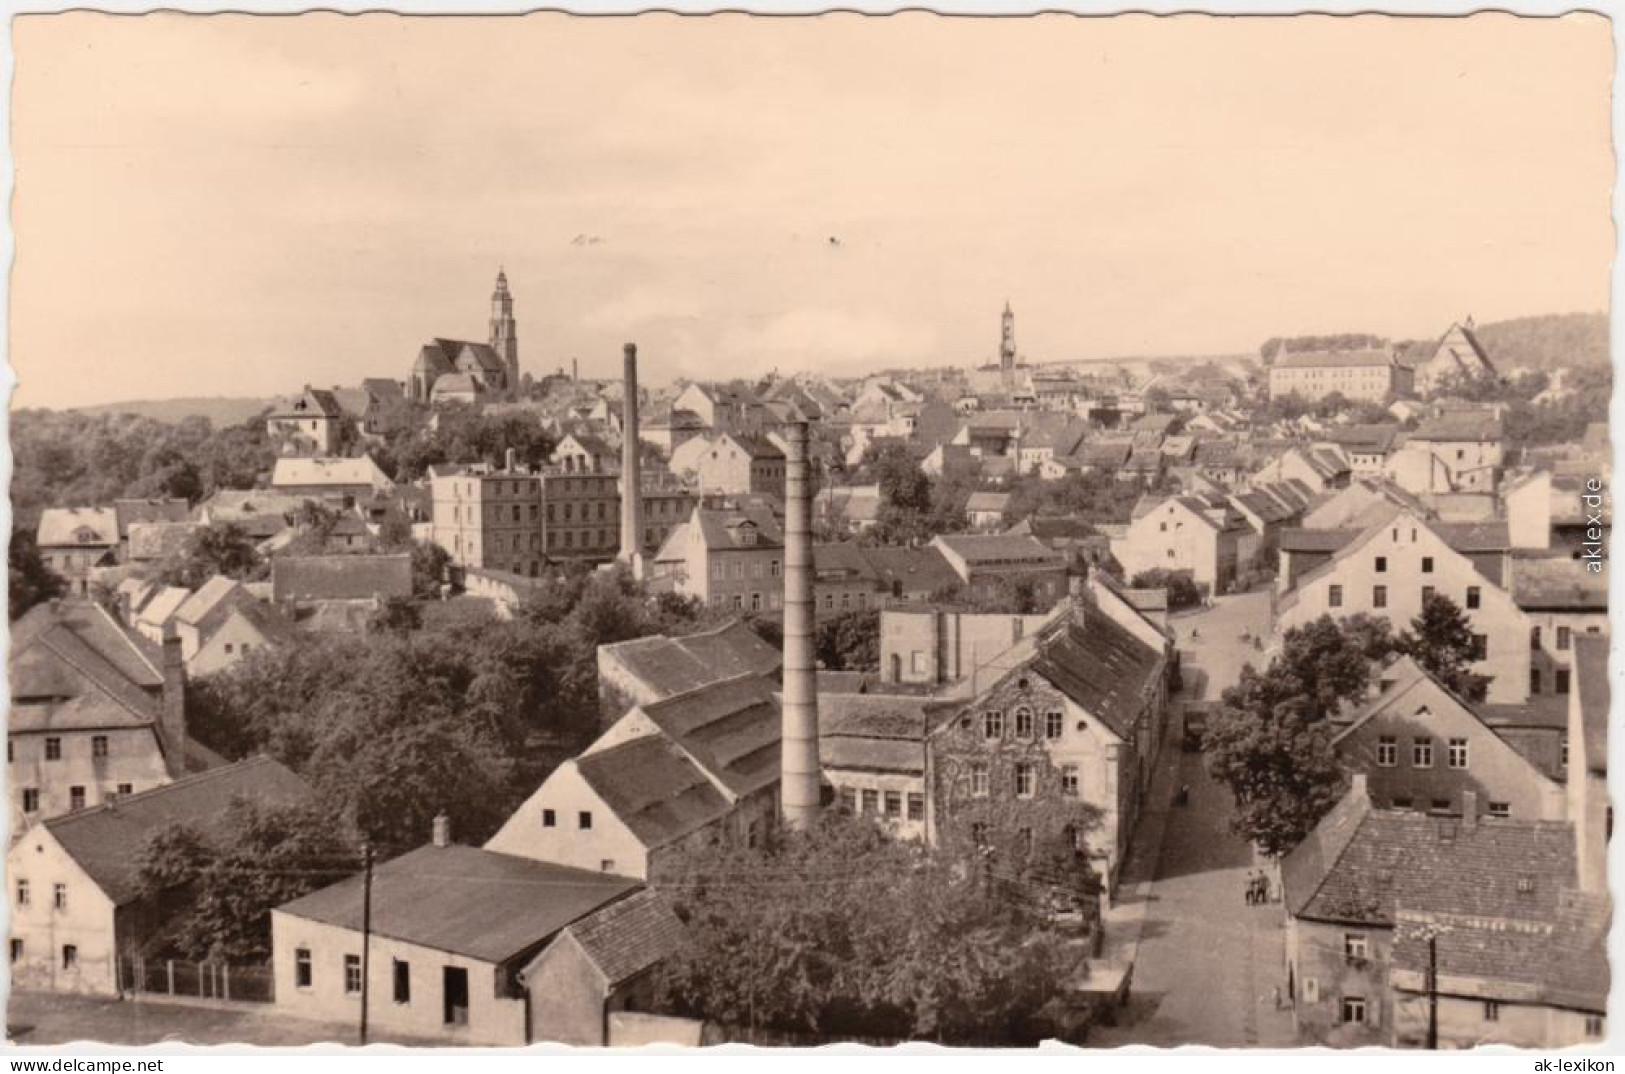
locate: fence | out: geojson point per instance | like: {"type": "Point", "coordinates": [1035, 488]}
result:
{"type": "Point", "coordinates": [250, 983]}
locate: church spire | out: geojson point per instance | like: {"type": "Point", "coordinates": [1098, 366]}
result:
{"type": "Point", "coordinates": [505, 330]}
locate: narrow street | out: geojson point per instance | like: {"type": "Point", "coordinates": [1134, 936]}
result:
{"type": "Point", "coordinates": [1207, 963]}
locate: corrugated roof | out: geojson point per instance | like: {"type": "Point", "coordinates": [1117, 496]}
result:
{"type": "Point", "coordinates": [105, 841]}
{"type": "Point", "coordinates": [653, 788]}
{"type": "Point", "coordinates": [466, 901]}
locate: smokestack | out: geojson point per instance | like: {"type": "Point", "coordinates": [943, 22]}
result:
{"type": "Point", "coordinates": [575, 371]}
{"type": "Point", "coordinates": [172, 708]}
{"type": "Point", "coordinates": [799, 773]}
{"type": "Point", "coordinates": [440, 831]}
{"type": "Point", "coordinates": [631, 468]}
{"type": "Point", "coordinates": [510, 460]}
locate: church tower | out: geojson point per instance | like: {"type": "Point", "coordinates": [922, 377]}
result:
{"type": "Point", "coordinates": [505, 331]}
{"type": "Point", "coordinates": [1007, 347]}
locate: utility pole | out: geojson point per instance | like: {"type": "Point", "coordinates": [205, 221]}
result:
{"type": "Point", "coordinates": [366, 930]}
{"type": "Point", "coordinates": [1433, 992]}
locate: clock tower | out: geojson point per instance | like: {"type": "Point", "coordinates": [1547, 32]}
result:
{"type": "Point", "coordinates": [505, 331]}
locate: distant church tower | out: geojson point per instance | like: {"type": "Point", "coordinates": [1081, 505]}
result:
{"type": "Point", "coordinates": [1007, 347]}
{"type": "Point", "coordinates": [505, 331]}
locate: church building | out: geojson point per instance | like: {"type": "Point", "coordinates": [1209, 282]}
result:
{"type": "Point", "coordinates": [458, 371]}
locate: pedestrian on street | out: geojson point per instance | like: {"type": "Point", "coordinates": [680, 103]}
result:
{"type": "Point", "coordinates": [1252, 888]}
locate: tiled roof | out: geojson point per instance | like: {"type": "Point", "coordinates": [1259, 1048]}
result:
{"type": "Point", "coordinates": [1556, 583]}
{"type": "Point", "coordinates": [1296, 540]}
{"type": "Point", "coordinates": [1560, 960]}
{"type": "Point", "coordinates": [1365, 439]}
{"type": "Point", "coordinates": [159, 540]}
{"type": "Point", "coordinates": [208, 597]}
{"type": "Point", "coordinates": [729, 728]}
{"type": "Point", "coordinates": [1591, 682]}
{"type": "Point", "coordinates": [131, 511]}
{"type": "Point", "coordinates": [481, 354]}
{"type": "Point", "coordinates": [466, 901]}
{"type": "Point", "coordinates": [671, 666]}
{"type": "Point", "coordinates": [104, 841]}
{"type": "Point", "coordinates": [163, 606]}
{"type": "Point", "coordinates": [1474, 536]}
{"type": "Point", "coordinates": [1000, 549]}
{"type": "Point", "coordinates": [1100, 666]}
{"type": "Point", "coordinates": [239, 505]}
{"type": "Point", "coordinates": [652, 788]}
{"type": "Point", "coordinates": [629, 936]}
{"type": "Point", "coordinates": [987, 501]}
{"type": "Point", "coordinates": [337, 473]}
{"type": "Point", "coordinates": [915, 570]}
{"type": "Point", "coordinates": [877, 732]}
{"type": "Point", "coordinates": [63, 526]}
{"type": "Point", "coordinates": [1461, 425]}
{"type": "Point", "coordinates": [342, 577]}
{"type": "Point", "coordinates": [722, 527]}
{"type": "Point", "coordinates": [57, 648]}
{"type": "Point", "coordinates": [1360, 862]}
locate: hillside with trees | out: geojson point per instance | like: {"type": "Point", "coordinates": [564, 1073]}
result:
{"type": "Point", "coordinates": [1548, 342]}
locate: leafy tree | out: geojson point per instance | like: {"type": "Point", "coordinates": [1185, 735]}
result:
{"type": "Point", "coordinates": [429, 563]}
{"type": "Point", "coordinates": [265, 856]}
{"type": "Point", "coordinates": [1183, 592]}
{"type": "Point", "coordinates": [213, 550]}
{"type": "Point", "coordinates": [1440, 639]}
{"type": "Point", "coordinates": [849, 641]}
{"type": "Point", "coordinates": [843, 931]}
{"type": "Point", "coordinates": [397, 615]}
{"type": "Point", "coordinates": [1270, 743]}
{"type": "Point", "coordinates": [31, 581]}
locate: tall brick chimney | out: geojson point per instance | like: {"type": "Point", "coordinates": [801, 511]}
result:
{"type": "Point", "coordinates": [799, 770]}
{"type": "Point", "coordinates": [172, 710]}
{"type": "Point", "coordinates": [631, 466]}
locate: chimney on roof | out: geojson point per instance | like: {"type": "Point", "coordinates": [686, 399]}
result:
{"type": "Point", "coordinates": [510, 460]}
{"type": "Point", "coordinates": [441, 831]}
{"type": "Point", "coordinates": [799, 776]}
{"type": "Point", "coordinates": [1469, 810]}
{"type": "Point", "coordinates": [172, 708]}
{"type": "Point", "coordinates": [631, 465]}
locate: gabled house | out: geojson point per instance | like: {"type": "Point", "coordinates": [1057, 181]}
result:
{"type": "Point", "coordinates": [1457, 356]}
{"type": "Point", "coordinates": [1186, 533]}
{"type": "Point", "coordinates": [308, 423]}
{"type": "Point", "coordinates": [96, 712]}
{"type": "Point", "coordinates": [985, 510]}
{"type": "Point", "coordinates": [77, 905]}
{"type": "Point", "coordinates": [668, 774]}
{"type": "Point", "coordinates": [342, 480]}
{"type": "Point", "coordinates": [728, 556]}
{"type": "Point", "coordinates": [1423, 748]}
{"type": "Point", "coordinates": [132, 512]}
{"type": "Point", "coordinates": [74, 541]}
{"type": "Point", "coordinates": [1068, 725]}
{"type": "Point", "coordinates": [1466, 447]}
{"type": "Point", "coordinates": [987, 564]}
{"type": "Point", "coordinates": [644, 670]}
{"type": "Point", "coordinates": [222, 623]}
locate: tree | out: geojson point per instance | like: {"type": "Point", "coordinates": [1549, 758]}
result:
{"type": "Point", "coordinates": [429, 564]}
{"type": "Point", "coordinates": [212, 550]}
{"type": "Point", "coordinates": [843, 931]}
{"type": "Point", "coordinates": [1440, 639]}
{"type": "Point", "coordinates": [849, 641]}
{"type": "Point", "coordinates": [1270, 743]}
{"type": "Point", "coordinates": [31, 581]}
{"type": "Point", "coordinates": [397, 615]}
{"type": "Point", "coordinates": [1183, 592]}
{"type": "Point", "coordinates": [262, 857]}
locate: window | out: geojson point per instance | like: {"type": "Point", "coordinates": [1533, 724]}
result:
{"type": "Point", "coordinates": [352, 975]}
{"type": "Point", "coordinates": [773, 568]}
{"type": "Point", "coordinates": [53, 749]}
{"type": "Point", "coordinates": [978, 780]}
{"type": "Point", "coordinates": [1474, 597]}
{"type": "Point", "coordinates": [916, 805]}
{"type": "Point", "coordinates": [1402, 803]}
{"type": "Point", "coordinates": [1456, 757]}
{"type": "Point", "coordinates": [30, 799]}
{"type": "Point", "coordinates": [894, 804]}
{"type": "Point", "coordinates": [992, 724]}
{"type": "Point", "coordinates": [1565, 760]}
{"type": "Point", "coordinates": [59, 896]}
{"type": "Point", "coordinates": [22, 893]}
{"type": "Point", "coordinates": [301, 967]}
{"type": "Point", "coordinates": [16, 950]}
{"type": "Point", "coordinates": [1481, 647]}
{"type": "Point", "coordinates": [1427, 564]}
{"type": "Point", "coordinates": [1500, 810]}
{"type": "Point", "coordinates": [1334, 596]}
{"type": "Point", "coordinates": [123, 789]}
{"type": "Point", "coordinates": [607, 865]}
{"type": "Point", "coordinates": [1561, 681]}
{"type": "Point", "coordinates": [1387, 751]}
{"type": "Point", "coordinates": [1069, 780]}
{"type": "Point", "coordinates": [1534, 638]}
{"type": "Point", "coordinates": [1564, 634]}
{"type": "Point", "coordinates": [1353, 1010]}
{"type": "Point", "coordinates": [1534, 681]}
{"type": "Point", "coordinates": [1382, 564]}
{"type": "Point", "coordinates": [1594, 1025]}
{"type": "Point", "coordinates": [98, 743]}
{"type": "Point", "coordinates": [849, 800]}
{"type": "Point", "coordinates": [871, 801]}
{"type": "Point", "coordinates": [1024, 723]}
{"type": "Point", "coordinates": [1024, 779]}
{"type": "Point", "coordinates": [1440, 805]}
{"type": "Point", "coordinates": [1355, 947]}
{"type": "Point", "coordinates": [76, 798]}
{"type": "Point", "coordinates": [1422, 753]}
{"type": "Point", "coordinates": [584, 820]}
{"type": "Point", "coordinates": [70, 956]}
{"type": "Point", "coordinates": [1052, 725]}
{"type": "Point", "coordinates": [1379, 596]}
{"type": "Point", "coordinates": [1427, 594]}
{"type": "Point", "coordinates": [550, 819]}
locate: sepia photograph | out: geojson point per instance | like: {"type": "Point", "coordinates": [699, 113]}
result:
{"type": "Point", "coordinates": [1036, 533]}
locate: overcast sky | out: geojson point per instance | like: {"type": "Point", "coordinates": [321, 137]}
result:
{"type": "Point", "coordinates": [236, 205]}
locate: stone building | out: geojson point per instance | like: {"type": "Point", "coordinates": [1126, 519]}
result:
{"type": "Point", "coordinates": [478, 370]}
